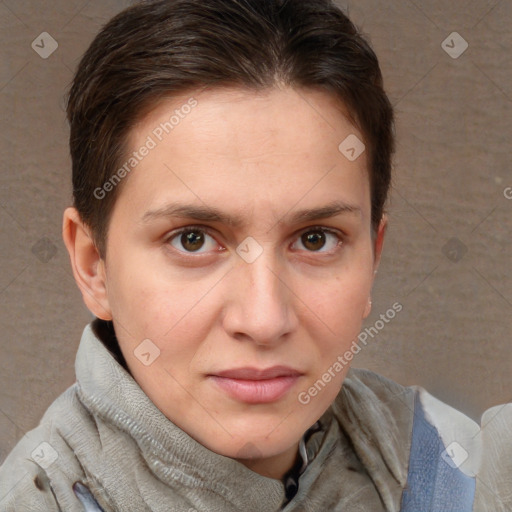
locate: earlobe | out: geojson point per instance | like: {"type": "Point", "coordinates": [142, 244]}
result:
{"type": "Point", "coordinates": [88, 267]}
{"type": "Point", "coordinates": [368, 308]}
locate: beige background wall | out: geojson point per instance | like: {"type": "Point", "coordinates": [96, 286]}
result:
{"type": "Point", "coordinates": [452, 172]}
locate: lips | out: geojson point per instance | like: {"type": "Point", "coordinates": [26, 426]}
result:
{"type": "Point", "coordinates": [255, 374]}
{"type": "Point", "coordinates": [252, 385]}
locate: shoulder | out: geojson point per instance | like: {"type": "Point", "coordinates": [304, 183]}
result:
{"type": "Point", "coordinates": [376, 414]}
{"type": "Point", "coordinates": [494, 482]}
{"type": "Point", "coordinates": [43, 463]}
{"type": "Point", "coordinates": [381, 404]}
{"type": "Point", "coordinates": [440, 455]}
{"type": "Point", "coordinates": [380, 410]}
{"type": "Point", "coordinates": [374, 397]}
{"type": "Point", "coordinates": [407, 439]}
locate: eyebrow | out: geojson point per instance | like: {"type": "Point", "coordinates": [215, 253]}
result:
{"type": "Point", "coordinates": [208, 213]}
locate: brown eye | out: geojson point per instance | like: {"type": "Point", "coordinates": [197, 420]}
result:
{"type": "Point", "coordinates": [320, 240]}
{"type": "Point", "coordinates": [314, 240]}
{"type": "Point", "coordinates": [192, 240]}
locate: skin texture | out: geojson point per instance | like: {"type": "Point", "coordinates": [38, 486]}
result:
{"type": "Point", "coordinates": [261, 157]}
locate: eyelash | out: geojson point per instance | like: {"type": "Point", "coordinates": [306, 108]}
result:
{"type": "Point", "coordinates": [202, 229]}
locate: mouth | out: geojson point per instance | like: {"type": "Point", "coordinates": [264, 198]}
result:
{"type": "Point", "coordinates": [255, 386]}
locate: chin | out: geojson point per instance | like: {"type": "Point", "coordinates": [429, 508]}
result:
{"type": "Point", "coordinates": [255, 441]}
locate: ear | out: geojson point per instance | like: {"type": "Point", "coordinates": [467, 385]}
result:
{"type": "Point", "coordinates": [378, 244]}
{"type": "Point", "coordinates": [88, 267]}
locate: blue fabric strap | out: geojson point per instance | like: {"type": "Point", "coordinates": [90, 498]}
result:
{"type": "Point", "coordinates": [433, 484]}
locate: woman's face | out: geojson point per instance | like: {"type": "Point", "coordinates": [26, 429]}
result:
{"type": "Point", "coordinates": [226, 326]}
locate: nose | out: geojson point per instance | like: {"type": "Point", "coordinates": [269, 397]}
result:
{"type": "Point", "coordinates": [260, 305]}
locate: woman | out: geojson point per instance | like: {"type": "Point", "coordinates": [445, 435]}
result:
{"type": "Point", "coordinates": [231, 163]}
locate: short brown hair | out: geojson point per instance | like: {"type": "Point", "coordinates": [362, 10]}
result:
{"type": "Point", "coordinates": [160, 48]}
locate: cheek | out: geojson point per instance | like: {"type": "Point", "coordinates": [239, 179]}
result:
{"type": "Point", "coordinates": [333, 324]}
{"type": "Point", "coordinates": [333, 318]}
{"type": "Point", "coordinates": [340, 301]}
{"type": "Point", "coordinates": [151, 303]}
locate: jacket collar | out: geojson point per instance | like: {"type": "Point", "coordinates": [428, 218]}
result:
{"type": "Point", "coordinates": [358, 422]}
{"type": "Point", "coordinates": [107, 389]}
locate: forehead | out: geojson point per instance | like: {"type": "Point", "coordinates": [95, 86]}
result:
{"type": "Point", "coordinates": [251, 146]}
{"type": "Point", "coordinates": [298, 115]}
